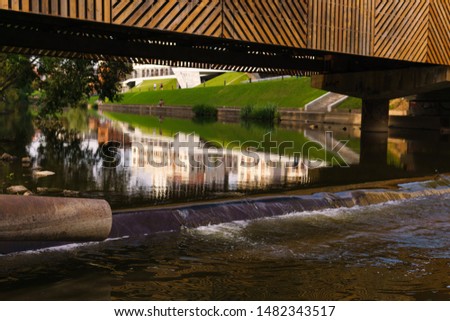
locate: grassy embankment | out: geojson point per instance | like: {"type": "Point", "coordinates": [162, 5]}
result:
{"type": "Point", "coordinates": [287, 93]}
{"type": "Point", "coordinates": [148, 85]}
{"type": "Point", "coordinates": [226, 79]}
{"type": "Point", "coordinates": [356, 103]}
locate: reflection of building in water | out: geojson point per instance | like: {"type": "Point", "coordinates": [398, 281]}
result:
{"type": "Point", "coordinates": [263, 170]}
{"type": "Point", "coordinates": [184, 164]}
{"type": "Point", "coordinates": [166, 162]}
{"type": "Point", "coordinates": [106, 133]}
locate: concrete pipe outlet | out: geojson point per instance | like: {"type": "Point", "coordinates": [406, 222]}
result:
{"type": "Point", "coordinates": [29, 218]}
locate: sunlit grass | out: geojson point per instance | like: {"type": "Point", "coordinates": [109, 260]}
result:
{"type": "Point", "coordinates": [226, 79]}
{"type": "Point", "coordinates": [287, 93]}
{"type": "Point", "coordinates": [148, 85]}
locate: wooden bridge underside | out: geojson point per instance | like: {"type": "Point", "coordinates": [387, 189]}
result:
{"type": "Point", "coordinates": [279, 36]}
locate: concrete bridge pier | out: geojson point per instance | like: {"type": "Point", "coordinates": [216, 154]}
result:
{"type": "Point", "coordinates": [373, 148]}
{"type": "Point", "coordinates": [377, 87]}
{"type": "Point", "coordinates": [375, 115]}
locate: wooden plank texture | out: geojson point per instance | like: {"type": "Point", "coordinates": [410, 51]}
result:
{"type": "Point", "coordinates": [341, 26]}
{"type": "Point", "coordinates": [410, 30]}
{"type": "Point", "coordinates": [439, 33]}
{"type": "Point", "coordinates": [401, 29]}
{"type": "Point", "coordinates": [99, 10]}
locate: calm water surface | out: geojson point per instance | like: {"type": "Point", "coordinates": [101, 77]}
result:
{"type": "Point", "coordinates": [394, 251]}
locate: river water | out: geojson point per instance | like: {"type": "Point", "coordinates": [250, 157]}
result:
{"type": "Point", "coordinates": [393, 251]}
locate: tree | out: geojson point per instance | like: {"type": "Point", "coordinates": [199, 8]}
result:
{"type": "Point", "coordinates": [65, 83]}
{"type": "Point", "coordinates": [16, 76]}
{"type": "Point", "coordinates": [70, 82]}
{"type": "Point", "coordinates": [110, 73]}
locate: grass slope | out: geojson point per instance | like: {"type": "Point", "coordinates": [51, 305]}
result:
{"type": "Point", "coordinates": [290, 93]}
{"type": "Point", "coordinates": [350, 103]}
{"type": "Point", "coordinates": [228, 78]}
{"type": "Point", "coordinates": [147, 85]}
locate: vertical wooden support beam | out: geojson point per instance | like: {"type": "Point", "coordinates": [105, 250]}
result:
{"type": "Point", "coordinates": [35, 6]}
{"type": "Point", "coordinates": [44, 6]}
{"type": "Point", "coordinates": [73, 9]}
{"type": "Point", "coordinates": [15, 5]}
{"type": "Point", "coordinates": [99, 10]}
{"type": "Point", "coordinates": [4, 4]}
{"type": "Point", "coordinates": [81, 9]}
{"type": "Point", "coordinates": [107, 11]}
{"type": "Point", "coordinates": [64, 8]}
{"type": "Point", "coordinates": [54, 8]}
{"type": "Point", "coordinates": [26, 5]}
{"type": "Point", "coordinates": [90, 13]}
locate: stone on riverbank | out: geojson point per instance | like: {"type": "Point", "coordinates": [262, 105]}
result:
{"type": "Point", "coordinates": [40, 174]}
{"type": "Point", "coordinates": [7, 157]}
{"type": "Point", "coordinates": [17, 189]}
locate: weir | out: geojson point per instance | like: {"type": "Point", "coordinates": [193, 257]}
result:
{"type": "Point", "coordinates": [144, 222]}
{"type": "Point", "coordinates": [149, 221]}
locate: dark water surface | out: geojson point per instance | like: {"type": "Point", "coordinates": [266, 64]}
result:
{"type": "Point", "coordinates": [394, 251]}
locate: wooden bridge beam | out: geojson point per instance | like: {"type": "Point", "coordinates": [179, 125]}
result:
{"type": "Point", "coordinates": [78, 38]}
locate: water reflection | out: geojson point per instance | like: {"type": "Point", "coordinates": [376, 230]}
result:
{"type": "Point", "coordinates": [162, 162]}
{"type": "Point", "coordinates": [130, 166]}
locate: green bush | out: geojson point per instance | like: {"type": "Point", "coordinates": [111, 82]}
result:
{"type": "Point", "coordinates": [267, 113]}
{"type": "Point", "coordinates": [205, 112]}
{"type": "Point", "coordinates": [246, 112]}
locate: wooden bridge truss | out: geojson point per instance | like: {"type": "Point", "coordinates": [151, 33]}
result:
{"type": "Point", "coordinates": [285, 36]}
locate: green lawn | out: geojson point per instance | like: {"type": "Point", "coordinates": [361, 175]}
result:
{"type": "Point", "coordinates": [148, 85]}
{"type": "Point", "coordinates": [356, 103]}
{"type": "Point", "coordinates": [228, 78]}
{"type": "Point", "coordinates": [350, 103]}
{"type": "Point", "coordinates": [290, 93]}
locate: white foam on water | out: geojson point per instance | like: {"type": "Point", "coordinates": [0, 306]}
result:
{"type": "Point", "coordinates": [233, 229]}
{"type": "Point", "coordinates": [63, 248]}
{"type": "Point", "coordinates": [223, 230]}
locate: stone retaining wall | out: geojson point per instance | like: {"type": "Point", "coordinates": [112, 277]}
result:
{"type": "Point", "coordinates": [230, 114]}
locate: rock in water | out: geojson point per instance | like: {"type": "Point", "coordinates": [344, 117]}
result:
{"type": "Point", "coordinates": [40, 174]}
{"type": "Point", "coordinates": [7, 157]}
{"type": "Point", "coordinates": [17, 189]}
{"type": "Point", "coordinates": [69, 193]}
{"type": "Point", "coordinates": [26, 161]}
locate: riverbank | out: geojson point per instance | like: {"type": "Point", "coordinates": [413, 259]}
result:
{"type": "Point", "coordinates": [230, 114]}
{"type": "Point", "coordinates": [284, 93]}
{"type": "Point", "coordinates": [352, 117]}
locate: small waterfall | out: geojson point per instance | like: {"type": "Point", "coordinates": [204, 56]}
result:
{"type": "Point", "coordinates": [143, 222]}
{"type": "Point", "coordinates": [191, 216]}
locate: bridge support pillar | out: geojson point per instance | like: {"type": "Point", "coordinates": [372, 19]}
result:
{"type": "Point", "coordinates": [375, 115]}
{"type": "Point", "coordinates": [374, 147]}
